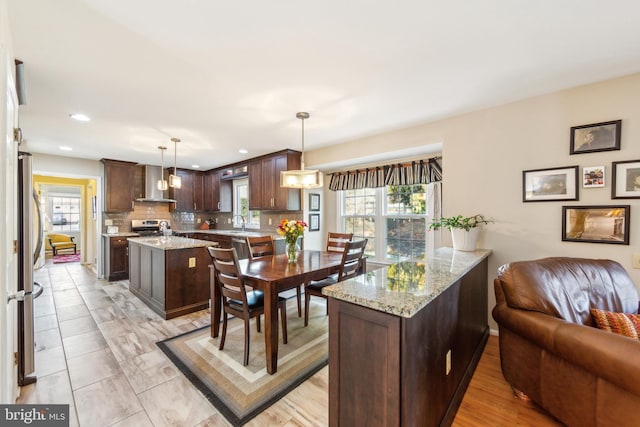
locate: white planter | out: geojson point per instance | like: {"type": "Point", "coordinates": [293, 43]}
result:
{"type": "Point", "coordinates": [465, 240]}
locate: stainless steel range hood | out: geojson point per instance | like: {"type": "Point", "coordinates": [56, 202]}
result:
{"type": "Point", "coordinates": [152, 174]}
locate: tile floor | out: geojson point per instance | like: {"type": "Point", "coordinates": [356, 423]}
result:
{"type": "Point", "coordinates": [95, 350]}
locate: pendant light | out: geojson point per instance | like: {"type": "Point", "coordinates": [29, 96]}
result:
{"type": "Point", "coordinates": [174, 180]}
{"type": "Point", "coordinates": [301, 178]}
{"type": "Point", "coordinates": [162, 183]}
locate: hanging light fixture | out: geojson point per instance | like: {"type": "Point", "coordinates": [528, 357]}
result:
{"type": "Point", "coordinates": [174, 180]}
{"type": "Point", "coordinates": [301, 178]}
{"type": "Point", "coordinates": [162, 183]}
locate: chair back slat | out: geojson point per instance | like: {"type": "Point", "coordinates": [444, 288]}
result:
{"type": "Point", "coordinates": [336, 242]}
{"type": "Point", "coordinates": [227, 272]}
{"type": "Point", "coordinates": [350, 266]}
{"type": "Point", "coordinates": [260, 246]}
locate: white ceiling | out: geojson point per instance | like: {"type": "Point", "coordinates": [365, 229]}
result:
{"type": "Point", "coordinates": [225, 75]}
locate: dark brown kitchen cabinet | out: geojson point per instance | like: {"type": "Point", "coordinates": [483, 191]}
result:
{"type": "Point", "coordinates": [117, 260]}
{"type": "Point", "coordinates": [216, 194]}
{"type": "Point", "coordinates": [189, 197]}
{"type": "Point", "coordinates": [119, 193]}
{"type": "Point", "coordinates": [265, 192]}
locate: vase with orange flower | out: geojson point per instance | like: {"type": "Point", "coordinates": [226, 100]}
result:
{"type": "Point", "coordinates": [291, 229]}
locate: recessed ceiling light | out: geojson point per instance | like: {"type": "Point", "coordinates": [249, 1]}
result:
{"type": "Point", "coordinates": [80, 117]}
{"type": "Point", "coordinates": [65, 148]}
{"type": "Point", "coordinates": [243, 151]}
{"type": "Point", "coordinates": [195, 166]}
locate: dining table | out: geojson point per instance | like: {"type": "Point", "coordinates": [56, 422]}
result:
{"type": "Point", "coordinates": [272, 275]}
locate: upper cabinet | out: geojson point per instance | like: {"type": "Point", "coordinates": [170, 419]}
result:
{"type": "Point", "coordinates": [216, 193]}
{"type": "Point", "coordinates": [265, 192]}
{"type": "Point", "coordinates": [119, 193]}
{"type": "Point", "coordinates": [189, 197]}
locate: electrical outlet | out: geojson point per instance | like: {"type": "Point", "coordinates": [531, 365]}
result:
{"type": "Point", "coordinates": [448, 363]}
{"type": "Point", "coordinates": [192, 262]}
{"type": "Point", "coordinates": [198, 221]}
{"type": "Point", "coordinates": [228, 220]}
{"type": "Point", "coordinates": [635, 260]}
{"type": "Point", "coordinates": [108, 222]}
{"type": "Point", "coordinates": [270, 221]}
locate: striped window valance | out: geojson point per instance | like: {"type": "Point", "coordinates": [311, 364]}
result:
{"type": "Point", "coordinates": [416, 172]}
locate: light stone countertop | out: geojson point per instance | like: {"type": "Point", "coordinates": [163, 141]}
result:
{"type": "Point", "coordinates": [171, 242]}
{"type": "Point", "coordinates": [404, 288]}
{"type": "Point", "coordinates": [121, 234]}
{"type": "Point", "coordinates": [232, 233]}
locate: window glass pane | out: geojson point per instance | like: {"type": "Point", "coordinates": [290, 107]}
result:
{"type": "Point", "coordinates": [65, 213]}
{"type": "Point", "coordinates": [241, 205]}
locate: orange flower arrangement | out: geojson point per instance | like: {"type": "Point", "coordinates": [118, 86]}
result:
{"type": "Point", "coordinates": [291, 229]}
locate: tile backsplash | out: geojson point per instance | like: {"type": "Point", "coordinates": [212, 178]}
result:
{"type": "Point", "coordinates": [190, 220]}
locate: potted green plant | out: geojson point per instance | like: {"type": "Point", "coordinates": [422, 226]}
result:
{"type": "Point", "coordinates": [464, 230]}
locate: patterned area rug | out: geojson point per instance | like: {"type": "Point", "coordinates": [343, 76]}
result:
{"type": "Point", "coordinates": [242, 392]}
{"type": "Point", "coordinates": [66, 258]}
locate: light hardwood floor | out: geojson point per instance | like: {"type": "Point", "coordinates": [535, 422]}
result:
{"type": "Point", "coordinates": [95, 350]}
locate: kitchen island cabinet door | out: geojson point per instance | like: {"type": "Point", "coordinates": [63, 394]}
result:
{"type": "Point", "coordinates": [119, 193]}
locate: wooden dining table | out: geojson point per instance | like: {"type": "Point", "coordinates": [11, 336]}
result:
{"type": "Point", "coordinates": [272, 275]}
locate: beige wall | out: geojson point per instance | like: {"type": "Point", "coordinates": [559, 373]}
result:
{"type": "Point", "coordinates": [485, 152]}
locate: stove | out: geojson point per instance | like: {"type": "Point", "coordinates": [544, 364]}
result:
{"type": "Point", "coordinates": [149, 227]}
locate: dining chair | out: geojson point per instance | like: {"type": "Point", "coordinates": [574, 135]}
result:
{"type": "Point", "coordinates": [236, 300]}
{"type": "Point", "coordinates": [336, 242]}
{"type": "Point", "coordinates": [349, 267]}
{"type": "Point", "coordinates": [263, 246]}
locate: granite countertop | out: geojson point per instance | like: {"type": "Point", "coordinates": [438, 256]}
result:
{"type": "Point", "coordinates": [237, 233]}
{"type": "Point", "coordinates": [121, 234]}
{"type": "Point", "coordinates": [404, 288]}
{"type": "Point", "coordinates": [171, 242]}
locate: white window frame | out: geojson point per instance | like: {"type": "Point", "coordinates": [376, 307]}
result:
{"type": "Point", "coordinates": [381, 216]}
{"type": "Point", "coordinates": [252, 219]}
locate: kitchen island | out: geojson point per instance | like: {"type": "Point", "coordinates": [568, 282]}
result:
{"type": "Point", "coordinates": [170, 274]}
{"type": "Point", "coordinates": [233, 238]}
{"type": "Point", "coordinates": [404, 340]}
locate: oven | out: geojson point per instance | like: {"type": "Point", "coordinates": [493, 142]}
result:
{"type": "Point", "coordinates": [150, 227]}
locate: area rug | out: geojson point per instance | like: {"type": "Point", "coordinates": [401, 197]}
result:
{"type": "Point", "coordinates": [242, 392]}
{"type": "Point", "coordinates": [66, 258]}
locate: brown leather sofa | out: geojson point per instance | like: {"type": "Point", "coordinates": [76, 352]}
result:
{"type": "Point", "coordinates": [550, 349]}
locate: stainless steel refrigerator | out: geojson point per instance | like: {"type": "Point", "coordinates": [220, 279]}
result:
{"type": "Point", "coordinates": [29, 245]}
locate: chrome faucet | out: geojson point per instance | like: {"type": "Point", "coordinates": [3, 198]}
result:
{"type": "Point", "coordinates": [243, 221]}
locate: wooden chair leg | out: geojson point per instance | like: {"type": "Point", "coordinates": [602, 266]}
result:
{"type": "Point", "coordinates": [299, 298]}
{"type": "Point", "coordinates": [247, 332]}
{"type": "Point", "coordinates": [224, 331]}
{"type": "Point", "coordinates": [327, 305]}
{"type": "Point", "coordinates": [258, 322]}
{"type": "Point", "coordinates": [283, 317]}
{"type": "Point", "coordinates": [307, 296]}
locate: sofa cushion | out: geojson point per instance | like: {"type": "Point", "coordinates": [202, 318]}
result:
{"type": "Point", "coordinates": [619, 323]}
{"type": "Point", "coordinates": [567, 288]}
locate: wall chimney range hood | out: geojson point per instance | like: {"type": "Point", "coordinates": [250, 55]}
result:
{"type": "Point", "coordinates": [151, 192]}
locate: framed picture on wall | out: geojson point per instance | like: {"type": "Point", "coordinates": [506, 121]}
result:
{"type": "Point", "coordinates": [625, 180]}
{"type": "Point", "coordinates": [596, 224]}
{"type": "Point", "coordinates": [603, 136]}
{"type": "Point", "coordinates": [314, 222]}
{"type": "Point", "coordinates": [544, 185]}
{"type": "Point", "coordinates": [593, 176]}
{"type": "Point", "coordinates": [314, 202]}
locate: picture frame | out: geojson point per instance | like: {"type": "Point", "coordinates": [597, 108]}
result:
{"type": "Point", "coordinates": [551, 184]}
{"type": "Point", "coordinates": [595, 137]}
{"type": "Point", "coordinates": [314, 202]}
{"type": "Point", "coordinates": [596, 224]}
{"type": "Point", "coordinates": [625, 179]}
{"type": "Point", "coordinates": [593, 176]}
{"type": "Point", "coordinates": [314, 222]}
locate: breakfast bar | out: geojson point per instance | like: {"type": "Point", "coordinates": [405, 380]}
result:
{"type": "Point", "coordinates": [170, 274]}
{"type": "Point", "coordinates": [404, 340]}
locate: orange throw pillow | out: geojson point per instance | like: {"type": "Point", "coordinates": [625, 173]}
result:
{"type": "Point", "coordinates": [618, 323]}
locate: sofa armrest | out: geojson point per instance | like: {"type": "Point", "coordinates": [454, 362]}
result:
{"type": "Point", "coordinates": [536, 327]}
{"type": "Point", "coordinates": [605, 354]}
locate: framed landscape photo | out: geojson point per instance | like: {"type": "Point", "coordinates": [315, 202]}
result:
{"type": "Point", "coordinates": [544, 185]}
{"type": "Point", "coordinates": [314, 222]}
{"type": "Point", "coordinates": [593, 176]}
{"type": "Point", "coordinates": [314, 202]}
{"type": "Point", "coordinates": [625, 180]}
{"type": "Point", "coordinates": [596, 224]}
{"type": "Point", "coordinates": [603, 136]}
